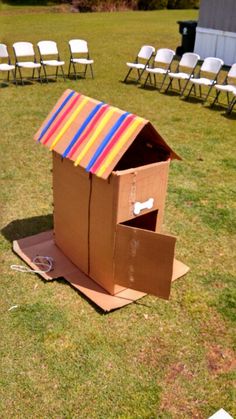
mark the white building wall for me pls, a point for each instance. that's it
(216, 43)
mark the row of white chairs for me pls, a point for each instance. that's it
(25, 58)
(152, 64)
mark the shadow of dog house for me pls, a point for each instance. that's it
(110, 172)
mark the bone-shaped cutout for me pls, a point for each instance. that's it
(139, 206)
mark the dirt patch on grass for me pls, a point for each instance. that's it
(220, 360)
(174, 399)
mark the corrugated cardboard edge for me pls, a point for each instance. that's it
(29, 247)
(43, 244)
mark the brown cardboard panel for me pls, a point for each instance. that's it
(102, 232)
(144, 260)
(179, 269)
(71, 193)
(140, 184)
(43, 245)
(100, 296)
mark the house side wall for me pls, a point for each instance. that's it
(102, 226)
(71, 192)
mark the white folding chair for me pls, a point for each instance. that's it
(6, 65)
(161, 66)
(228, 86)
(141, 61)
(79, 55)
(23, 50)
(49, 48)
(211, 67)
(184, 71)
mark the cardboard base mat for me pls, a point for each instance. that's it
(43, 244)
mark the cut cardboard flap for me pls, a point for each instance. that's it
(43, 244)
(93, 134)
(144, 260)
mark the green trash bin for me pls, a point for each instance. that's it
(187, 29)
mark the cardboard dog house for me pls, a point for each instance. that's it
(110, 172)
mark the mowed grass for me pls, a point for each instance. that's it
(62, 357)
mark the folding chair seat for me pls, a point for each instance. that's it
(141, 61)
(6, 66)
(79, 55)
(228, 86)
(24, 50)
(211, 67)
(49, 48)
(161, 66)
(184, 71)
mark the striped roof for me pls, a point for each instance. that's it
(91, 133)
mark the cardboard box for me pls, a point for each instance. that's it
(110, 174)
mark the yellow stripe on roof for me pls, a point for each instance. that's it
(95, 135)
(115, 150)
(69, 122)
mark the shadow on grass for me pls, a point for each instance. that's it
(149, 87)
(18, 229)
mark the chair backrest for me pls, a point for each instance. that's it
(47, 47)
(232, 71)
(78, 46)
(189, 59)
(164, 55)
(212, 65)
(23, 49)
(146, 52)
(3, 51)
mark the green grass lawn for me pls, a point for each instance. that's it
(61, 357)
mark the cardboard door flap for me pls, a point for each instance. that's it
(144, 260)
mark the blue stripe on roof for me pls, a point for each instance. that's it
(82, 128)
(106, 140)
(53, 117)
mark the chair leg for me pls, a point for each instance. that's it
(179, 85)
(190, 90)
(33, 74)
(163, 81)
(14, 79)
(209, 91)
(141, 73)
(74, 68)
(63, 73)
(45, 73)
(184, 87)
(169, 84)
(145, 82)
(69, 69)
(127, 75)
(56, 72)
(216, 98)
(230, 107)
(20, 76)
(39, 72)
(91, 70)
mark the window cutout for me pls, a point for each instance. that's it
(145, 222)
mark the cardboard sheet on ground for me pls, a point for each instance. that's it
(43, 244)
